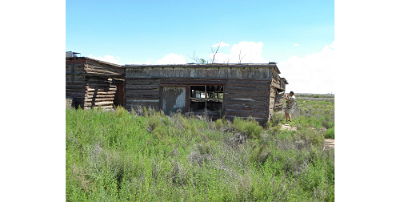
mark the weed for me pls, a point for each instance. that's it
(330, 133)
(249, 127)
(147, 156)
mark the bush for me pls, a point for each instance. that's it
(330, 133)
(249, 127)
(276, 119)
(121, 112)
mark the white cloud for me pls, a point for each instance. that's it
(107, 58)
(172, 59)
(250, 52)
(310, 74)
(296, 44)
(333, 44)
(220, 44)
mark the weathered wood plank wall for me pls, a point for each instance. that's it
(90, 82)
(75, 83)
(248, 90)
(244, 98)
(141, 92)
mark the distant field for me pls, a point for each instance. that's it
(315, 99)
(310, 95)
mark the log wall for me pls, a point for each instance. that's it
(248, 90)
(244, 98)
(100, 91)
(75, 84)
(91, 83)
(141, 92)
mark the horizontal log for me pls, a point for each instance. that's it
(75, 86)
(253, 97)
(145, 97)
(247, 114)
(100, 96)
(102, 90)
(207, 99)
(75, 91)
(244, 101)
(98, 99)
(103, 107)
(247, 111)
(245, 108)
(75, 82)
(76, 72)
(142, 87)
(104, 75)
(142, 82)
(101, 93)
(130, 105)
(99, 103)
(94, 85)
(129, 92)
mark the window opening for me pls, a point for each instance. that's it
(206, 99)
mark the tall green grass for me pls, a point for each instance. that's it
(147, 156)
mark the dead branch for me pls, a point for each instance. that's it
(195, 58)
(215, 53)
(241, 58)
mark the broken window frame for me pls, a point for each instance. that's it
(206, 98)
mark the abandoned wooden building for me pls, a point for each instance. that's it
(230, 90)
(93, 83)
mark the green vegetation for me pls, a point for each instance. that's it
(144, 155)
(319, 115)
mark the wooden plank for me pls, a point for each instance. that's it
(254, 97)
(134, 106)
(142, 87)
(142, 82)
(96, 99)
(102, 90)
(95, 85)
(104, 107)
(99, 103)
(247, 114)
(129, 105)
(129, 92)
(249, 111)
(75, 86)
(244, 102)
(245, 108)
(100, 96)
(101, 93)
(76, 72)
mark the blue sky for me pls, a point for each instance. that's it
(298, 35)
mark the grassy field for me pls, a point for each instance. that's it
(147, 156)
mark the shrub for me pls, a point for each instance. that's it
(250, 127)
(330, 133)
(259, 155)
(121, 112)
(276, 119)
(219, 124)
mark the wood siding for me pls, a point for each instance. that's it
(142, 92)
(248, 90)
(91, 83)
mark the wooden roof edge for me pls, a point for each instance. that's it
(270, 64)
(284, 80)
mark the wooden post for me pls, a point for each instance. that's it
(205, 96)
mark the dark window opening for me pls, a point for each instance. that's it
(206, 99)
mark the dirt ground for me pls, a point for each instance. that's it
(329, 143)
